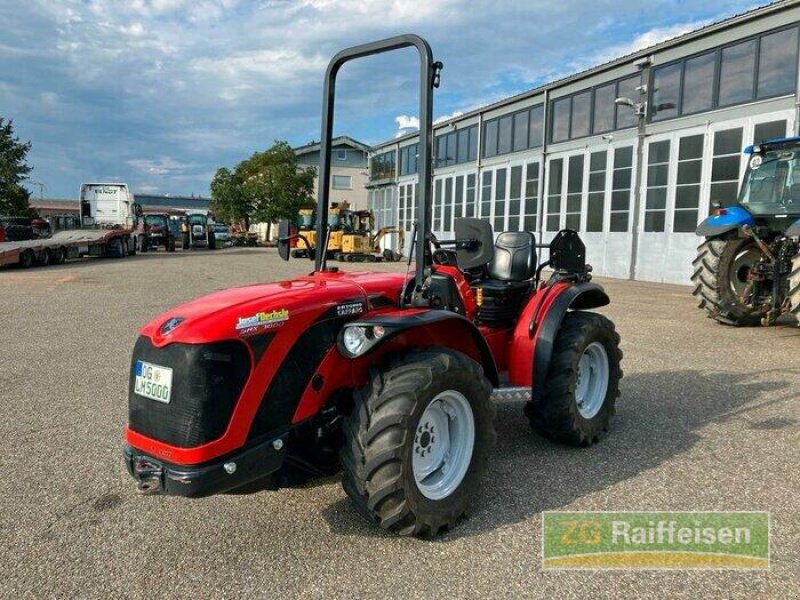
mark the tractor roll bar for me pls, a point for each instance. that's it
(428, 79)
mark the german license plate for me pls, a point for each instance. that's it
(153, 381)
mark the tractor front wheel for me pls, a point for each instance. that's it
(794, 288)
(417, 441)
(721, 272)
(582, 384)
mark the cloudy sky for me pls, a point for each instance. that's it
(159, 93)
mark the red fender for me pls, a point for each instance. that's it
(536, 330)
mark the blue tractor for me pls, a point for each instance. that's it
(747, 271)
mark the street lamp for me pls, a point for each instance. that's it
(640, 110)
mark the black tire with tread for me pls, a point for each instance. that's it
(711, 279)
(794, 288)
(26, 259)
(379, 437)
(556, 415)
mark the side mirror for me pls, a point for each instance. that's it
(137, 209)
(474, 243)
(283, 239)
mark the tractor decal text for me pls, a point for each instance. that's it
(352, 308)
(261, 320)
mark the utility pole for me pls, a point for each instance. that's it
(640, 109)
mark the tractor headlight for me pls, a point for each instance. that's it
(354, 340)
(358, 339)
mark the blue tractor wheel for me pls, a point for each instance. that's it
(721, 272)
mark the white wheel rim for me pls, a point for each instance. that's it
(443, 443)
(591, 384)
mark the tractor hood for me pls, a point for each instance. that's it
(251, 310)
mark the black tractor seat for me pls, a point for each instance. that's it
(510, 277)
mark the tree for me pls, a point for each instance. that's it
(228, 201)
(14, 199)
(266, 187)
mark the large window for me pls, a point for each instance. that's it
(604, 108)
(760, 67)
(529, 222)
(458, 204)
(382, 166)
(515, 198)
(626, 88)
(447, 225)
(559, 130)
(657, 180)
(597, 191)
(437, 205)
(666, 91)
(698, 83)
(513, 133)
(554, 194)
(594, 110)
(687, 188)
(500, 200)
(490, 138)
(725, 166)
(769, 131)
(574, 192)
(621, 189)
(777, 63)
(737, 68)
(469, 205)
(457, 147)
(486, 194)
(408, 159)
(581, 115)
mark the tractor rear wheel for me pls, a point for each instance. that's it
(417, 441)
(582, 382)
(721, 272)
(794, 288)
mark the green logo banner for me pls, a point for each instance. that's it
(655, 540)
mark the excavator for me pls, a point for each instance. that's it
(359, 244)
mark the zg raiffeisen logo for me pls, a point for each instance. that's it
(655, 540)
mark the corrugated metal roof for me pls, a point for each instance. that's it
(706, 30)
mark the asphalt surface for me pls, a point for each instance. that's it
(708, 420)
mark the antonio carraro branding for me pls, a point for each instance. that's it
(351, 308)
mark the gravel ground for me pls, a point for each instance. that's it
(708, 420)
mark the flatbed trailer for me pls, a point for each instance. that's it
(64, 245)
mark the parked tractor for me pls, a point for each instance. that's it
(387, 377)
(159, 233)
(197, 231)
(747, 271)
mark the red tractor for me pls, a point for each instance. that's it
(387, 377)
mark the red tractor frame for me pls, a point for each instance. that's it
(387, 377)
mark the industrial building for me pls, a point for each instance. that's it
(631, 153)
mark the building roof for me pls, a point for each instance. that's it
(342, 140)
(172, 201)
(701, 32)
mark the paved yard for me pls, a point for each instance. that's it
(708, 420)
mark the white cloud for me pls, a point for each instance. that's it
(172, 89)
(161, 166)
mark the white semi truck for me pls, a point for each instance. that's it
(111, 225)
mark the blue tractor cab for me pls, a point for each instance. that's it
(747, 271)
